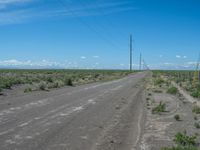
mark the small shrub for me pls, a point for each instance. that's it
(182, 139)
(197, 125)
(172, 90)
(158, 91)
(1, 91)
(158, 81)
(180, 148)
(49, 79)
(27, 90)
(184, 142)
(160, 108)
(177, 117)
(195, 94)
(196, 109)
(68, 82)
(42, 87)
(195, 118)
(55, 85)
(8, 85)
(147, 98)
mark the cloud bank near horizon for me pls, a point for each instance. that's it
(47, 64)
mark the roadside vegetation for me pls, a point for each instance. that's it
(159, 108)
(184, 79)
(196, 109)
(172, 90)
(174, 112)
(48, 79)
(183, 142)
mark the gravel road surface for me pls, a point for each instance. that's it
(98, 116)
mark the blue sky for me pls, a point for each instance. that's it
(95, 33)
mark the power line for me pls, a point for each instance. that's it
(63, 3)
(104, 28)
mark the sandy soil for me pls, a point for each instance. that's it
(160, 129)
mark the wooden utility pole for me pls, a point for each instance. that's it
(140, 68)
(131, 52)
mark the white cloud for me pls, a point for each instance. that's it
(31, 13)
(83, 57)
(95, 56)
(191, 63)
(167, 63)
(179, 56)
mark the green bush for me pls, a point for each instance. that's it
(27, 90)
(195, 94)
(180, 148)
(196, 109)
(182, 139)
(42, 87)
(158, 81)
(184, 142)
(172, 90)
(49, 79)
(68, 82)
(8, 85)
(1, 91)
(197, 125)
(160, 108)
(177, 117)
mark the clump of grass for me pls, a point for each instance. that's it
(196, 109)
(158, 91)
(183, 142)
(179, 148)
(195, 94)
(8, 85)
(158, 81)
(68, 82)
(49, 79)
(147, 98)
(172, 90)
(42, 86)
(177, 117)
(28, 89)
(197, 125)
(1, 91)
(159, 109)
(182, 139)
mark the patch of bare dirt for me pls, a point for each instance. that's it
(161, 128)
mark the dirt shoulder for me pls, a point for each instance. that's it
(161, 128)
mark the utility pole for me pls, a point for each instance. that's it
(131, 52)
(140, 62)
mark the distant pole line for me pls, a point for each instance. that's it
(140, 65)
(145, 66)
(131, 53)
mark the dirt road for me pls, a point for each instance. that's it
(102, 116)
